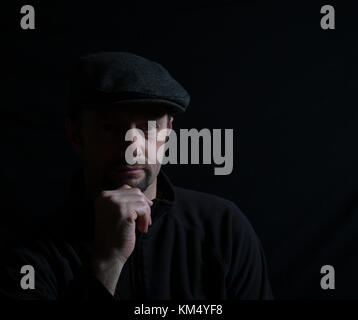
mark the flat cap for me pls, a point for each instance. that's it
(123, 78)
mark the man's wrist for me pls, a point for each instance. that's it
(107, 271)
(100, 264)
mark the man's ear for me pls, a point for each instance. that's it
(170, 124)
(74, 135)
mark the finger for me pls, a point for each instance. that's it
(132, 217)
(143, 220)
(136, 193)
(125, 187)
(142, 224)
(133, 197)
(150, 202)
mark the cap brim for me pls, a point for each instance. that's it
(152, 103)
(172, 107)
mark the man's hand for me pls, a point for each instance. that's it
(117, 212)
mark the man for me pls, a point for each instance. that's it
(128, 232)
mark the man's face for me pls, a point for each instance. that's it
(103, 146)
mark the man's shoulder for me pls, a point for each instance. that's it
(216, 219)
(193, 198)
(205, 207)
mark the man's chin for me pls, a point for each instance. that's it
(133, 180)
(134, 183)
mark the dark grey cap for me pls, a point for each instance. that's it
(108, 78)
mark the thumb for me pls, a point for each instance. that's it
(125, 187)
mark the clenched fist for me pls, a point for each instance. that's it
(117, 214)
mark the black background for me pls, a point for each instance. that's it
(286, 87)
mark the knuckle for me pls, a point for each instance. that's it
(136, 191)
(147, 206)
(132, 216)
(142, 201)
(121, 205)
(103, 194)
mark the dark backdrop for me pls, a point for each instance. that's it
(286, 87)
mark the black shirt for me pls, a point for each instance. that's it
(199, 246)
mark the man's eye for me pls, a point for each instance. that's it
(143, 127)
(148, 127)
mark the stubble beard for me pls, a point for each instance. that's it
(109, 183)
